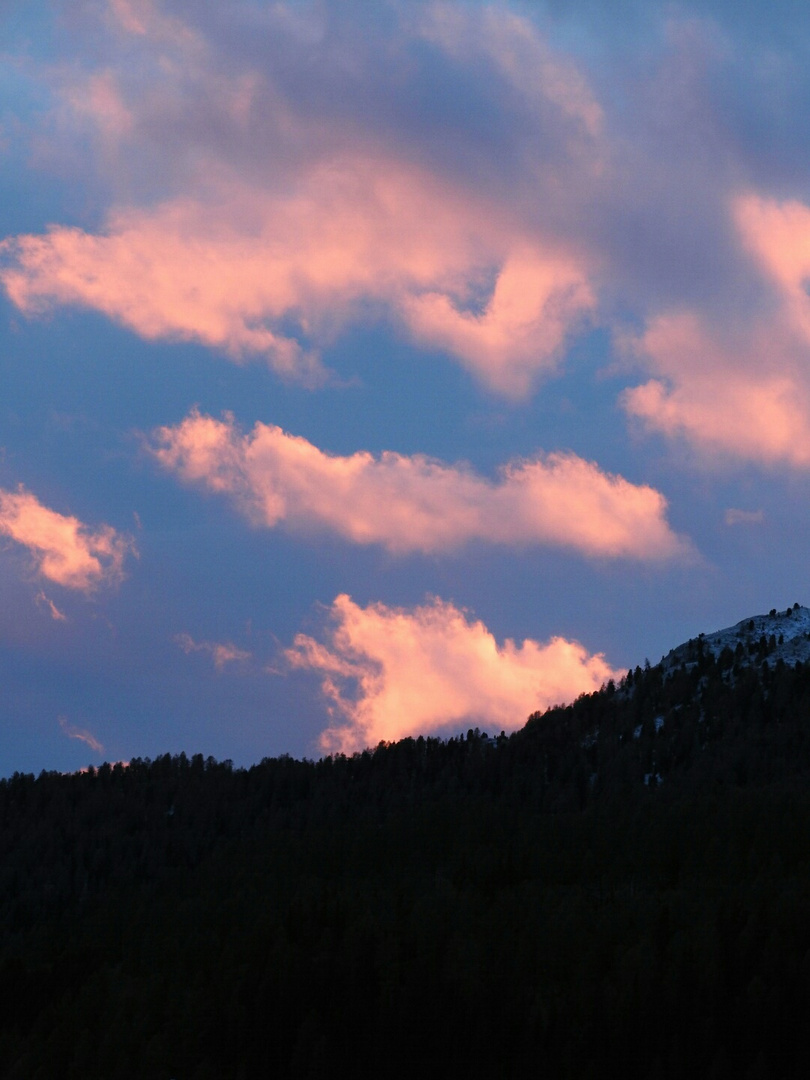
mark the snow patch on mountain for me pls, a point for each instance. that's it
(779, 635)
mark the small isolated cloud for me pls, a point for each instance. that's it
(64, 550)
(82, 734)
(409, 504)
(222, 653)
(45, 602)
(744, 517)
(388, 673)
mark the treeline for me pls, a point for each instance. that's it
(621, 887)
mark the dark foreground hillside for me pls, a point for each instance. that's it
(621, 888)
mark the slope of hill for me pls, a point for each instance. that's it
(786, 635)
(621, 887)
(730, 707)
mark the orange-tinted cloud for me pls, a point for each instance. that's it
(392, 672)
(82, 734)
(41, 600)
(64, 550)
(222, 653)
(233, 269)
(416, 503)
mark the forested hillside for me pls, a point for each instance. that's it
(620, 888)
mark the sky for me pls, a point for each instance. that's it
(376, 370)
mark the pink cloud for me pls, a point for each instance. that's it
(82, 734)
(222, 653)
(147, 19)
(416, 503)
(740, 393)
(64, 550)
(233, 268)
(133, 16)
(739, 385)
(45, 602)
(536, 303)
(778, 235)
(392, 672)
(98, 99)
(277, 227)
(518, 53)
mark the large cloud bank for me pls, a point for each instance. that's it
(274, 175)
(258, 258)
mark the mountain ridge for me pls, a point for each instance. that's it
(789, 629)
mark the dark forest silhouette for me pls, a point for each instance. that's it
(621, 888)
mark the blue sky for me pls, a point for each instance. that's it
(380, 369)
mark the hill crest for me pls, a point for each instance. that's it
(786, 637)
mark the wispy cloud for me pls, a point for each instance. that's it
(222, 653)
(392, 672)
(409, 504)
(45, 602)
(63, 549)
(734, 516)
(82, 734)
(511, 45)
